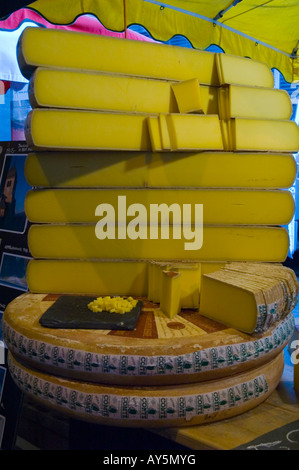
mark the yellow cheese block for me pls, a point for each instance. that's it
(192, 132)
(261, 135)
(91, 278)
(109, 92)
(83, 51)
(269, 293)
(220, 206)
(71, 129)
(114, 278)
(170, 301)
(133, 169)
(188, 96)
(254, 103)
(216, 243)
(96, 91)
(243, 71)
(241, 300)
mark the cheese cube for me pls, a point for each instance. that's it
(188, 96)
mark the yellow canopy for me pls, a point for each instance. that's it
(265, 30)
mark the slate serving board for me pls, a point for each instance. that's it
(73, 312)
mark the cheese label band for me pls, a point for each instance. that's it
(128, 407)
(216, 243)
(132, 408)
(137, 169)
(219, 206)
(68, 50)
(206, 359)
(77, 129)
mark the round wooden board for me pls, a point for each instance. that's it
(164, 406)
(188, 348)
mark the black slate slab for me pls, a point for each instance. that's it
(72, 312)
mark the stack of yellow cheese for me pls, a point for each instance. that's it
(132, 141)
(128, 131)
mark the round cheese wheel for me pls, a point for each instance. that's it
(164, 406)
(188, 348)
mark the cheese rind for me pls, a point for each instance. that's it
(251, 243)
(220, 206)
(203, 169)
(271, 270)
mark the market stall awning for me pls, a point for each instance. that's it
(263, 30)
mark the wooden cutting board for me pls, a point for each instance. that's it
(188, 348)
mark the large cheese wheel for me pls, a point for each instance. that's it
(182, 405)
(187, 348)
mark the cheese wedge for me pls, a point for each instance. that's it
(254, 103)
(275, 271)
(170, 303)
(214, 243)
(272, 299)
(236, 301)
(201, 170)
(261, 135)
(76, 50)
(188, 282)
(92, 278)
(231, 206)
(243, 71)
(155, 272)
(188, 96)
